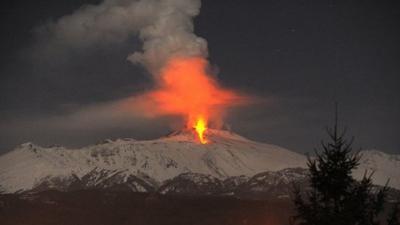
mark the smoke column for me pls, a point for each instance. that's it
(171, 35)
(165, 28)
(171, 52)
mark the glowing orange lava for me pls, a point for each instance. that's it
(200, 127)
(185, 89)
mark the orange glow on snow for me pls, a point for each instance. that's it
(185, 89)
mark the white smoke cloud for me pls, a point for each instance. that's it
(170, 35)
(164, 26)
(165, 29)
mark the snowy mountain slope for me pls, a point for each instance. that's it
(146, 165)
(161, 159)
(277, 183)
(98, 179)
(189, 183)
(385, 167)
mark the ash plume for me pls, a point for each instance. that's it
(169, 50)
(165, 28)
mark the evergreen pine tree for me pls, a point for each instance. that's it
(394, 216)
(334, 196)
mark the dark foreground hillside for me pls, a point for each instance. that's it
(91, 207)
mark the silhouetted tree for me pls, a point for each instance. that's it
(334, 196)
(394, 216)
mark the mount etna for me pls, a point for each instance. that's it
(228, 165)
(171, 180)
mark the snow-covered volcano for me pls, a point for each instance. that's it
(146, 165)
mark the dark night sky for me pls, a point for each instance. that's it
(300, 56)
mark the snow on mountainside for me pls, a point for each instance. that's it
(145, 165)
(384, 167)
(226, 155)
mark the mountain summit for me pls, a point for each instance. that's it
(150, 164)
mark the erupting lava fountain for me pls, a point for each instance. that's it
(186, 89)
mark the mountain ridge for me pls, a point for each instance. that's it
(147, 165)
